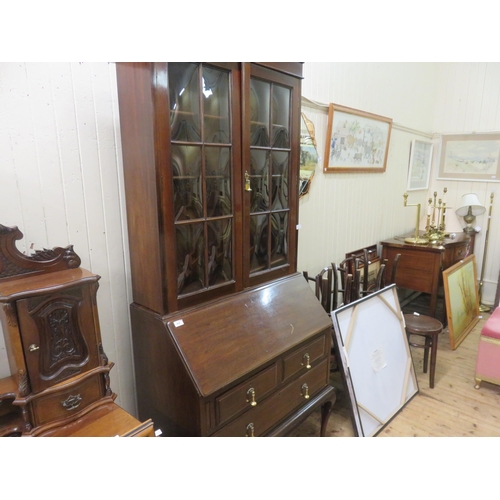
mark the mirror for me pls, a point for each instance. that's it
(308, 155)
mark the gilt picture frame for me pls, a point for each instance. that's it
(461, 298)
(470, 157)
(419, 169)
(357, 141)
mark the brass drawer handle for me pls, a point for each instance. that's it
(305, 391)
(72, 402)
(307, 360)
(33, 347)
(251, 396)
(250, 431)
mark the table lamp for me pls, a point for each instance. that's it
(469, 208)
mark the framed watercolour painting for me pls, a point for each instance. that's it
(420, 165)
(462, 300)
(356, 141)
(470, 157)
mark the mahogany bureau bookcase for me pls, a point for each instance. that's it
(228, 339)
(59, 374)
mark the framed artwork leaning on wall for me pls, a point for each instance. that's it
(462, 300)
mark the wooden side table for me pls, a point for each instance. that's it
(420, 266)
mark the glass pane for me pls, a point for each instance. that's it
(184, 94)
(259, 179)
(280, 180)
(216, 105)
(281, 117)
(279, 238)
(258, 242)
(218, 181)
(190, 257)
(220, 266)
(260, 96)
(186, 168)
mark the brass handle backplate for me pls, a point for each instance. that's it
(72, 402)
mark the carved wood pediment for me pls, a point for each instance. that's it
(14, 264)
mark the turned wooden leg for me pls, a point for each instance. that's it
(428, 343)
(434, 348)
(326, 410)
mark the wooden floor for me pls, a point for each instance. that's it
(454, 408)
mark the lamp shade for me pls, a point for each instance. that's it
(470, 200)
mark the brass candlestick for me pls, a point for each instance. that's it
(436, 219)
(416, 239)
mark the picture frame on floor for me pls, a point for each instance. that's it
(375, 358)
(461, 298)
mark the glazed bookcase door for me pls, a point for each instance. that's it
(205, 165)
(270, 147)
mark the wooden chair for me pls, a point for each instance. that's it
(327, 292)
(353, 278)
(381, 281)
(429, 329)
(326, 287)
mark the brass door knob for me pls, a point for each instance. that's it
(33, 347)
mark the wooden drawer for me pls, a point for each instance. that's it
(68, 401)
(242, 396)
(262, 417)
(303, 357)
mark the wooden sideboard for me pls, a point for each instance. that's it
(59, 382)
(420, 266)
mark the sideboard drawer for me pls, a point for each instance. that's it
(260, 418)
(65, 403)
(246, 395)
(303, 358)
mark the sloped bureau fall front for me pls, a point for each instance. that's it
(251, 365)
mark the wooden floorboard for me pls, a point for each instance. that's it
(454, 408)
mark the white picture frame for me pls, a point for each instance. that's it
(419, 168)
(376, 360)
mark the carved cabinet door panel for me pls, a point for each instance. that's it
(58, 335)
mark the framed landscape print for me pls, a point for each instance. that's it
(462, 300)
(420, 165)
(372, 346)
(470, 157)
(356, 141)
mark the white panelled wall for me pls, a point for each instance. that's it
(347, 211)
(62, 184)
(62, 181)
